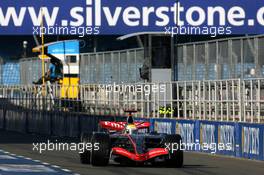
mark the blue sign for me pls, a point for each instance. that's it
(96, 17)
(166, 126)
(64, 47)
(226, 137)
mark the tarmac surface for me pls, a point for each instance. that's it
(18, 157)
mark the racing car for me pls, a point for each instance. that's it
(131, 143)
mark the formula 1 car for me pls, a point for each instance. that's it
(131, 143)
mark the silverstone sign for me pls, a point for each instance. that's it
(95, 17)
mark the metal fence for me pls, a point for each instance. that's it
(101, 67)
(221, 100)
(108, 67)
(229, 58)
(30, 70)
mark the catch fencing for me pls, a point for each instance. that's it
(101, 67)
(31, 70)
(219, 100)
(113, 66)
(228, 58)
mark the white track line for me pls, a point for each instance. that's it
(38, 161)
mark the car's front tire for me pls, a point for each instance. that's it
(86, 155)
(176, 156)
(101, 153)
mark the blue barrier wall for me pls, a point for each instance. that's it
(226, 138)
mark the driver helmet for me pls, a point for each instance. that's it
(131, 128)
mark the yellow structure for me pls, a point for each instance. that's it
(67, 53)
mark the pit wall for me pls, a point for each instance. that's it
(244, 140)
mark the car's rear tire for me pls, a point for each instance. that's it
(176, 156)
(100, 154)
(86, 155)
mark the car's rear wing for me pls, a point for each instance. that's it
(119, 126)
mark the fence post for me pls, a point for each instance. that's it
(26, 122)
(4, 118)
(241, 100)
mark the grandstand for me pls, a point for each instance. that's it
(10, 74)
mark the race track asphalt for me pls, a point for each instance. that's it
(194, 163)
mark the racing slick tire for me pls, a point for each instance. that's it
(176, 156)
(100, 155)
(86, 155)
